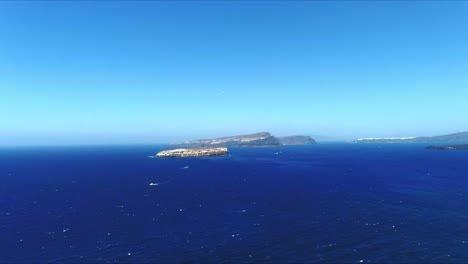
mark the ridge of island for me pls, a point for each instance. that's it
(193, 152)
(261, 139)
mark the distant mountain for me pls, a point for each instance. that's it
(262, 139)
(296, 140)
(461, 137)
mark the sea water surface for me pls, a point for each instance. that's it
(321, 203)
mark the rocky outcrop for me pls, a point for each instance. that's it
(193, 152)
(296, 140)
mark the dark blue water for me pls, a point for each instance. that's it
(328, 202)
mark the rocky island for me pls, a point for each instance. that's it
(262, 139)
(218, 146)
(193, 152)
(449, 147)
(251, 140)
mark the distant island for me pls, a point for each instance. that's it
(218, 146)
(193, 152)
(461, 137)
(262, 139)
(449, 147)
(296, 140)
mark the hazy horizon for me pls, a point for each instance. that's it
(162, 72)
(44, 140)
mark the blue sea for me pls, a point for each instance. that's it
(345, 203)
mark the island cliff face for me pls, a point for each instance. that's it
(296, 140)
(193, 152)
(461, 137)
(262, 139)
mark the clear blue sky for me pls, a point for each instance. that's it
(135, 72)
